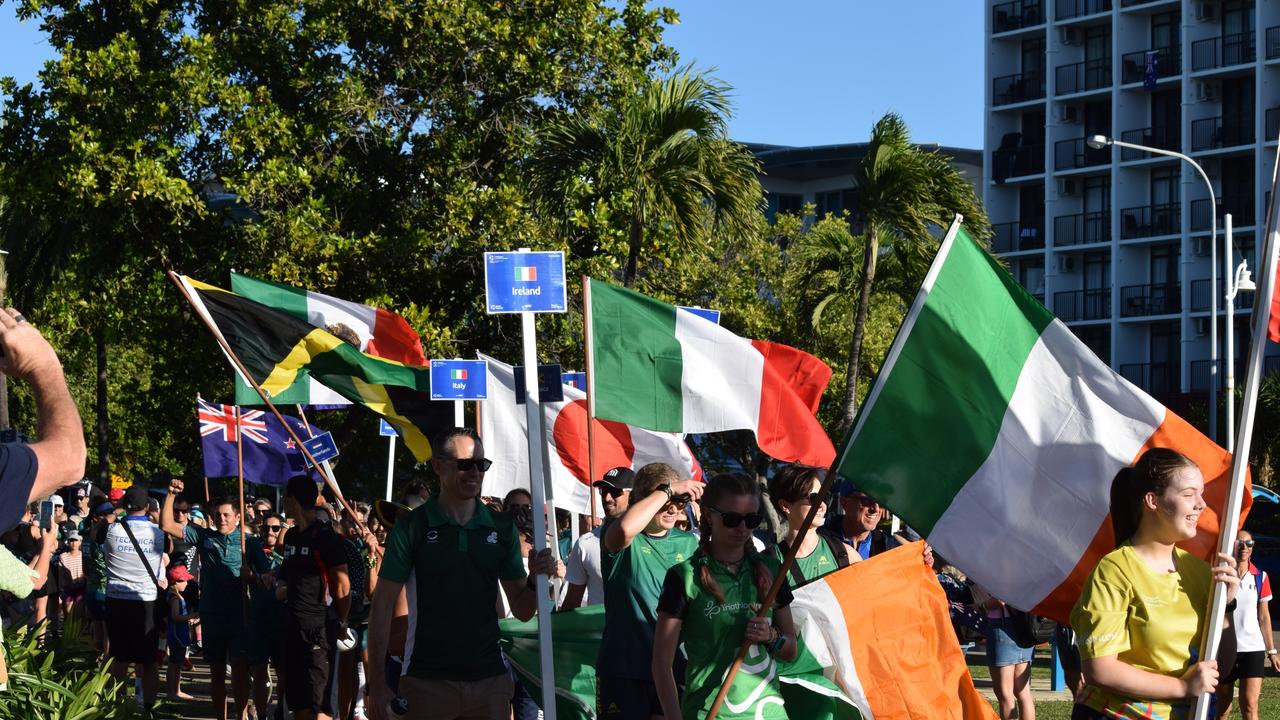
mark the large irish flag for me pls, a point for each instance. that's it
(995, 433)
(381, 333)
(659, 367)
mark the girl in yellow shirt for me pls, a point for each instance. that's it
(1140, 617)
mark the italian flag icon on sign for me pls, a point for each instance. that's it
(458, 374)
(526, 273)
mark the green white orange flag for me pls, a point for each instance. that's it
(995, 432)
(655, 366)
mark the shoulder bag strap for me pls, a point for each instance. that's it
(141, 556)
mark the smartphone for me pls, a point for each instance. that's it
(46, 515)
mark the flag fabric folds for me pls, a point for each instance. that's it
(995, 432)
(279, 350)
(380, 333)
(876, 641)
(503, 427)
(663, 368)
(270, 455)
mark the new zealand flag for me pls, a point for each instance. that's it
(271, 457)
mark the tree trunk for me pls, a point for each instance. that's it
(4, 380)
(850, 402)
(104, 461)
(633, 250)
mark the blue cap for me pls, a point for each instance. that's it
(105, 508)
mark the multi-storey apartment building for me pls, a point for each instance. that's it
(1116, 242)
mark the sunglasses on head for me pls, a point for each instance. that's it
(733, 519)
(468, 464)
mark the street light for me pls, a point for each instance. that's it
(1098, 142)
(1237, 282)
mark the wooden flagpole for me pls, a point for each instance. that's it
(591, 395)
(244, 558)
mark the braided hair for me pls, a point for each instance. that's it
(720, 487)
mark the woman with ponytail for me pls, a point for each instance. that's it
(709, 603)
(1141, 615)
(794, 490)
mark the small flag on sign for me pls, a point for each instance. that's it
(526, 273)
(458, 374)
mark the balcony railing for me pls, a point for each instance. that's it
(1081, 228)
(1200, 370)
(1211, 133)
(1081, 76)
(1021, 87)
(1168, 60)
(1272, 124)
(1150, 221)
(1016, 236)
(1016, 15)
(1072, 305)
(1223, 51)
(1152, 377)
(1163, 137)
(1200, 299)
(1069, 154)
(1273, 43)
(1024, 160)
(1067, 9)
(1142, 300)
(1240, 207)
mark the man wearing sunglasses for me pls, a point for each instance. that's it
(637, 549)
(862, 515)
(452, 553)
(584, 560)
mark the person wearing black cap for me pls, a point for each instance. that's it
(134, 550)
(583, 571)
(95, 574)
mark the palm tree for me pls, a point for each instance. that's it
(662, 153)
(904, 194)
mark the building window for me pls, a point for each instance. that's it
(828, 203)
(783, 203)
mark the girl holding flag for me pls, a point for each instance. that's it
(1140, 617)
(710, 600)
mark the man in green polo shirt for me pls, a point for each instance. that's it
(225, 637)
(452, 552)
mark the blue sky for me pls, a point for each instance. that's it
(804, 72)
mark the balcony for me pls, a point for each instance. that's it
(1200, 370)
(1272, 125)
(1200, 299)
(1213, 133)
(1073, 305)
(1223, 51)
(1068, 9)
(1016, 15)
(1010, 89)
(1152, 377)
(1017, 162)
(1081, 228)
(1083, 76)
(1071, 154)
(1168, 63)
(1144, 300)
(1240, 207)
(1164, 138)
(1017, 236)
(1273, 43)
(1150, 221)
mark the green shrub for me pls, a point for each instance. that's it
(64, 681)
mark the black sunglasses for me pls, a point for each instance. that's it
(467, 464)
(272, 528)
(614, 493)
(1246, 543)
(733, 519)
(864, 500)
(182, 510)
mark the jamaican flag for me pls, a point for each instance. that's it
(279, 349)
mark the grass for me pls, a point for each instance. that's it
(1268, 704)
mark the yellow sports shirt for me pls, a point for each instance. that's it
(1148, 619)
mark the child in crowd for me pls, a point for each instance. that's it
(179, 635)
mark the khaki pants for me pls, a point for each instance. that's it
(488, 699)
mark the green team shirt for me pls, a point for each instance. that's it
(632, 583)
(95, 568)
(454, 595)
(819, 562)
(712, 632)
(220, 584)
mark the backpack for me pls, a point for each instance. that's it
(836, 545)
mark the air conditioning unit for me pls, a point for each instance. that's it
(1066, 264)
(1068, 186)
(1069, 35)
(1207, 11)
(1200, 246)
(1208, 90)
(1202, 326)
(1068, 114)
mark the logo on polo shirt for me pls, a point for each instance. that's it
(492, 539)
(432, 536)
(305, 550)
(679, 557)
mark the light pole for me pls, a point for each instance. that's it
(1238, 280)
(1097, 142)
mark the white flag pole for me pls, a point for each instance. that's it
(391, 463)
(458, 419)
(1240, 459)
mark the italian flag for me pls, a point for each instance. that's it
(655, 366)
(458, 374)
(381, 333)
(995, 432)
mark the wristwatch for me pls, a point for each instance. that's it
(1273, 651)
(667, 489)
